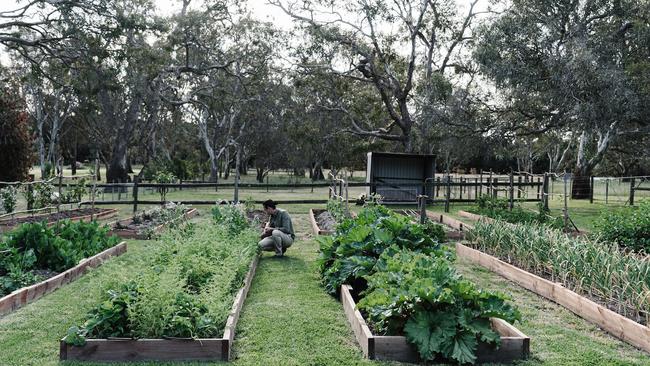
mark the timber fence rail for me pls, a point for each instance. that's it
(448, 191)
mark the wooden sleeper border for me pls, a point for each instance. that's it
(102, 215)
(26, 295)
(514, 344)
(127, 350)
(133, 234)
(314, 224)
(619, 326)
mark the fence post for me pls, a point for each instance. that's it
(461, 188)
(495, 188)
(92, 195)
(545, 192)
(631, 191)
(512, 192)
(519, 187)
(591, 190)
(135, 194)
(490, 188)
(438, 187)
(58, 202)
(566, 202)
(480, 185)
(607, 191)
(423, 208)
(448, 193)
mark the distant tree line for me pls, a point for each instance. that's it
(513, 85)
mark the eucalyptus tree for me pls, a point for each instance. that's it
(219, 74)
(390, 47)
(51, 102)
(575, 66)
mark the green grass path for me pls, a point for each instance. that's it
(288, 319)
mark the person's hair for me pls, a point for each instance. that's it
(269, 203)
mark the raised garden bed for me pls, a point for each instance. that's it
(514, 344)
(25, 295)
(459, 227)
(144, 230)
(614, 323)
(475, 217)
(322, 222)
(79, 214)
(127, 350)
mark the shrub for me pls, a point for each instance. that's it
(627, 226)
(8, 198)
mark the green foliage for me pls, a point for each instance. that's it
(336, 208)
(184, 290)
(435, 231)
(626, 226)
(498, 208)
(42, 194)
(351, 253)
(35, 246)
(8, 198)
(231, 216)
(585, 265)
(164, 177)
(424, 297)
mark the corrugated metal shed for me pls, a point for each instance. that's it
(399, 177)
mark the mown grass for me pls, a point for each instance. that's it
(288, 319)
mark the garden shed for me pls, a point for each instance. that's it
(400, 177)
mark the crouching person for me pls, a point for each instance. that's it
(278, 233)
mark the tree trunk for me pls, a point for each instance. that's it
(259, 175)
(117, 168)
(237, 166)
(226, 164)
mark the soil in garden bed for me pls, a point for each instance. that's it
(69, 214)
(325, 220)
(142, 223)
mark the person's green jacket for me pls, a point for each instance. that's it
(282, 221)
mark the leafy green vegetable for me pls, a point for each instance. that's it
(351, 253)
(424, 297)
(35, 246)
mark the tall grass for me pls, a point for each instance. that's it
(617, 279)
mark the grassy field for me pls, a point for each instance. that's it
(288, 319)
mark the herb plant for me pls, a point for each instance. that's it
(184, 290)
